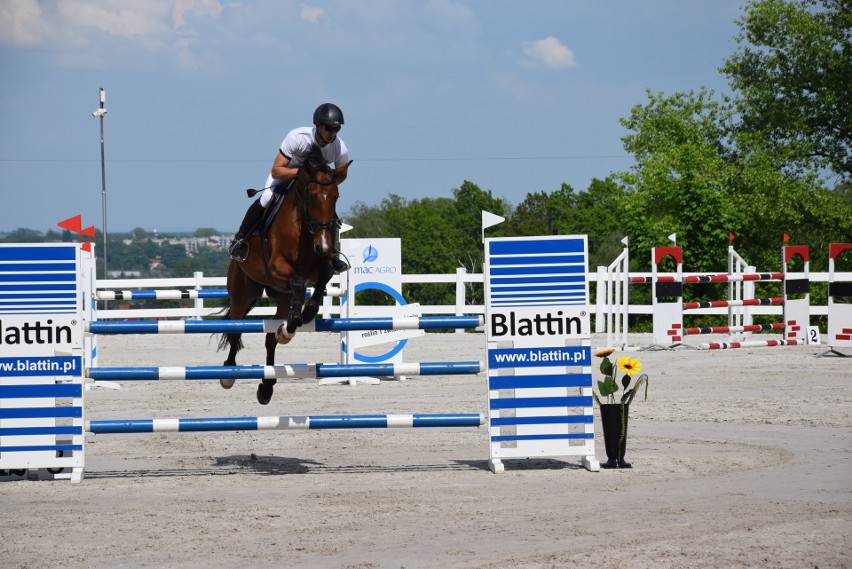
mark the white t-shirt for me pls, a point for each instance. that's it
(297, 145)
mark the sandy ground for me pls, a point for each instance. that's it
(741, 459)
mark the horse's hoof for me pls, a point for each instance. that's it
(264, 394)
(227, 383)
(283, 336)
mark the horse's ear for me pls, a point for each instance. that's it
(341, 172)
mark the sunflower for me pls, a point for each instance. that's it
(629, 365)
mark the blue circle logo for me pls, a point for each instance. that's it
(396, 296)
(370, 254)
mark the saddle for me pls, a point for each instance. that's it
(263, 227)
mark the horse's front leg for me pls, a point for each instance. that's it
(312, 306)
(294, 317)
(265, 388)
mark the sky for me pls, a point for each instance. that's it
(515, 97)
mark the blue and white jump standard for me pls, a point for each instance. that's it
(41, 361)
(539, 349)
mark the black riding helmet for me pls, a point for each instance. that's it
(329, 114)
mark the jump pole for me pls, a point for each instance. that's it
(181, 294)
(103, 327)
(285, 423)
(282, 371)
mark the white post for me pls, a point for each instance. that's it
(199, 302)
(101, 113)
(460, 294)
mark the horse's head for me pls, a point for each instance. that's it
(318, 185)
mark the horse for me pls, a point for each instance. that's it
(295, 253)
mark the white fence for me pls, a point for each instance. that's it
(461, 279)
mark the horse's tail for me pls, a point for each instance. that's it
(225, 313)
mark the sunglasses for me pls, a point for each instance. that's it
(329, 128)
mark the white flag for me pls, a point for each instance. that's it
(673, 238)
(489, 219)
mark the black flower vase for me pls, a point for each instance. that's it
(616, 446)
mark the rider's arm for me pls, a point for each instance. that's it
(281, 169)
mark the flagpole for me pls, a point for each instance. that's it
(101, 113)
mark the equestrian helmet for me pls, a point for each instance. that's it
(329, 114)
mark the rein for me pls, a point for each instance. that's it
(304, 201)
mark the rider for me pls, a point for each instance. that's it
(297, 145)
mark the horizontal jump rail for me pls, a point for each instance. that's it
(292, 422)
(271, 326)
(748, 344)
(734, 329)
(731, 303)
(181, 294)
(720, 278)
(283, 371)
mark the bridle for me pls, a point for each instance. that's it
(305, 198)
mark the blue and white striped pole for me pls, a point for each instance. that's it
(294, 422)
(267, 326)
(283, 371)
(181, 294)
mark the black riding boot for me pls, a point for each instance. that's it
(338, 264)
(239, 246)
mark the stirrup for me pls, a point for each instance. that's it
(339, 265)
(239, 250)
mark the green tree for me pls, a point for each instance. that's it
(138, 233)
(469, 203)
(793, 76)
(533, 216)
(172, 253)
(682, 181)
(600, 215)
(700, 176)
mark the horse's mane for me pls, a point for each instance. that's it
(316, 159)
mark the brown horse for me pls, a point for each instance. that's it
(295, 252)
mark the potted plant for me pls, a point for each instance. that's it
(614, 409)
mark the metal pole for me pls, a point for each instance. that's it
(101, 113)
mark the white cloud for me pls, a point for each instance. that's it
(311, 14)
(128, 19)
(22, 23)
(551, 53)
(196, 8)
(92, 33)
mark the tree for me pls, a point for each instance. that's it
(470, 201)
(698, 175)
(532, 216)
(682, 181)
(793, 75)
(138, 233)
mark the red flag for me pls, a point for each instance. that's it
(730, 237)
(785, 238)
(89, 231)
(74, 224)
(87, 246)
